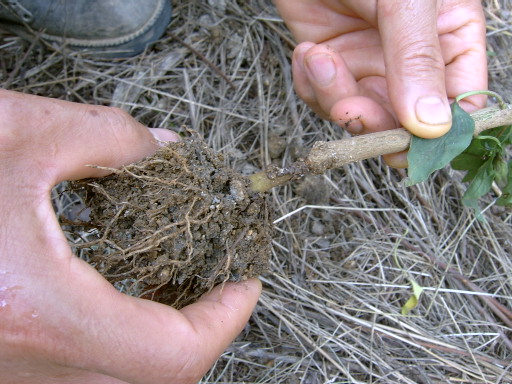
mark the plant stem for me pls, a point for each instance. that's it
(335, 154)
(498, 97)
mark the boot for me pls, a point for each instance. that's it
(111, 28)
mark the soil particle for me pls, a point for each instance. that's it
(314, 190)
(276, 146)
(176, 224)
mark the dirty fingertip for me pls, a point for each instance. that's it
(253, 284)
(164, 136)
(249, 287)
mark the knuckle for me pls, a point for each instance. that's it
(121, 123)
(118, 113)
(389, 8)
(14, 132)
(114, 117)
(420, 59)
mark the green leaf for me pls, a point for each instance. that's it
(482, 182)
(506, 139)
(505, 200)
(506, 196)
(503, 134)
(475, 149)
(428, 155)
(479, 151)
(501, 169)
(490, 143)
(414, 299)
(470, 160)
(480, 185)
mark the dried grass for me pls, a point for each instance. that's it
(349, 242)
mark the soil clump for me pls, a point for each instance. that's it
(175, 224)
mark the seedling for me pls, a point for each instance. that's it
(476, 143)
(177, 223)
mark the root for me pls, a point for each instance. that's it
(174, 225)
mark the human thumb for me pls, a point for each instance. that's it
(415, 69)
(63, 138)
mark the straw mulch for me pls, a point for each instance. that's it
(347, 243)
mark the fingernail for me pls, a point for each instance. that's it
(321, 67)
(299, 54)
(433, 111)
(163, 135)
(396, 160)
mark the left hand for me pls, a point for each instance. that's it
(60, 320)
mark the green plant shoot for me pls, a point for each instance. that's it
(485, 158)
(414, 299)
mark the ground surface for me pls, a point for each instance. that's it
(345, 244)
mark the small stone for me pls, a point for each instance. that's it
(317, 228)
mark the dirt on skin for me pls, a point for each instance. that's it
(174, 225)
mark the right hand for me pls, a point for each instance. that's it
(374, 65)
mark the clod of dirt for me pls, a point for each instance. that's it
(172, 226)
